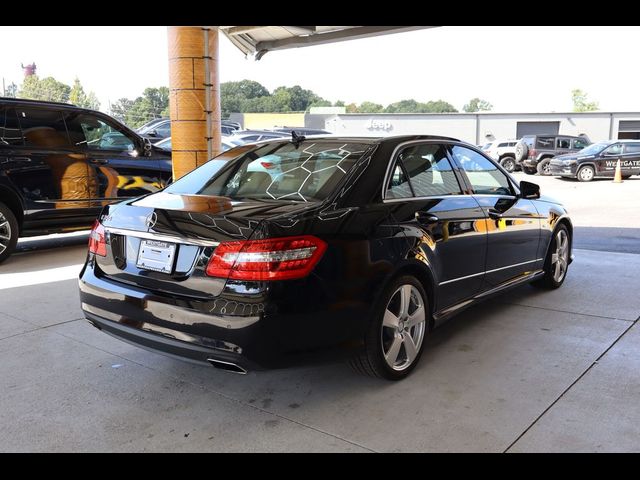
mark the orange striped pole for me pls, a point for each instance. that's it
(194, 96)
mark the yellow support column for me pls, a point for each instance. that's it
(194, 96)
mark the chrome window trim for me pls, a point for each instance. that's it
(489, 271)
(431, 197)
(161, 237)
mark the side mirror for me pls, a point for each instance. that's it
(529, 190)
(147, 147)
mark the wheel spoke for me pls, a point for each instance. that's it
(392, 355)
(557, 271)
(554, 258)
(416, 317)
(389, 320)
(409, 347)
(405, 299)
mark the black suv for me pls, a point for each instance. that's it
(599, 159)
(60, 164)
(534, 152)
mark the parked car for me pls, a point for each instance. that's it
(246, 136)
(149, 124)
(166, 145)
(359, 245)
(302, 131)
(599, 160)
(233, 125)
(59, 164)
(504, 152)
(534, 152)
(157, 130)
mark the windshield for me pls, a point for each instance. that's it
(593, 149)
(307, 172)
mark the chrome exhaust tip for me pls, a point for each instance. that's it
(227, 366)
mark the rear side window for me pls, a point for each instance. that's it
(563, 143)
(43, 128)
(10, 133)
(307, 172)
(546, 143)
(428, 170)
(632, 148)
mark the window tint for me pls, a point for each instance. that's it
(545, 142)
(632, 148)
(580, 143)
(503, 145)
(398, 184)
(10, 133)
(429, 170)
(42, 128)
(512, 144)
(615, 149)
(563, 143)
(164, 129)
(484, 176)
(89, 131)
(307, 172)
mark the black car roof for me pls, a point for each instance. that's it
(44, 103)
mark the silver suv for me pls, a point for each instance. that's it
(504, 152)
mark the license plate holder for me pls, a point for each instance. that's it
(156, 256)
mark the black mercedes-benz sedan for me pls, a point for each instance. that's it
(278, 252)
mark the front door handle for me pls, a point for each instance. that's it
(21, 159)
(495, 214)
(425, 218)
(98, 161)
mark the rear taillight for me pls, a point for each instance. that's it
(532, 153)
(272, 259)
(97, 241)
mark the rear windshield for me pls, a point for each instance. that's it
(308, 172)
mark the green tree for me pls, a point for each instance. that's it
(580, 102)
(243, 89)
(438, 106)
(339, 103)
(352, 108)
(48, 89)
(412, 106)
(477, 105)
(78, 97)
(370, 107)
(120, 108)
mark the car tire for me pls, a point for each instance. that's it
(559, 251)
(392, 348)
(8, 232)
(529, 170)
(508, 163)
(522, 151)
(586, 173)
(626, 177)
(544, 167)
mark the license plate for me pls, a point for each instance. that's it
(156, 256)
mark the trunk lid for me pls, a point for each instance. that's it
(190, 227)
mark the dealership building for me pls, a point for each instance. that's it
(476, 128)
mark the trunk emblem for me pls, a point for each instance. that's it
(151, 220)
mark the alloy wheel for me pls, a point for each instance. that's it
(403, 327)
(560, 258)
(586, 174)
(5, 233)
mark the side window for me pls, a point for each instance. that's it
(10, 133)
(580, 144)
(632, 148)
(42, 127)
(484, 176)
(429, 170)
(164, 130)
(91, 132)
(563, 143)
(398, 184)
(615, 149)
(546, 143)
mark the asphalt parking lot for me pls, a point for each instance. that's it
(528, 371)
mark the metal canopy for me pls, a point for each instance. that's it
(260, 40)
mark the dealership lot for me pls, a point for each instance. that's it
(527, 371)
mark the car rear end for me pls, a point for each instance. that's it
(233, 281)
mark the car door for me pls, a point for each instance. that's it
(51, 175)
(563, 145)
(608, 160)
(116, 159)
(630, 162)
(513, 223)
(445, 227)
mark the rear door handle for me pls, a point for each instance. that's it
(21, 159)
(495, 214)
(426, 218)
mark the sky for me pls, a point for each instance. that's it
(516, 69)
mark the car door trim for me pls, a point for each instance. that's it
(489, 271)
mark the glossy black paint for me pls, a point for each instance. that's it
(462, 247)
(603, 162)
(53, 185)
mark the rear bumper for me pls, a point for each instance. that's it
(266, 335)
